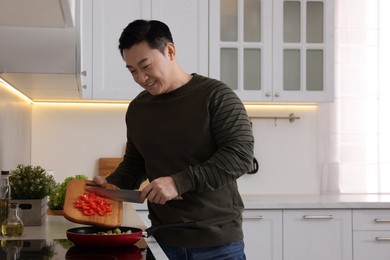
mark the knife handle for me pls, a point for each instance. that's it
(92, 183)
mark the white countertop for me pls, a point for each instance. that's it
(55, 228)
(309, 201)
(317, 201)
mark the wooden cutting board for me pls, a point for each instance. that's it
(74, 189)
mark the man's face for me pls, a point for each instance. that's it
(149, 67)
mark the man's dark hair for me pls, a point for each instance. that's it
(155, 33)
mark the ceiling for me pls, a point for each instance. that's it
(38, 48)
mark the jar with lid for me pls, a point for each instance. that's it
(13, 225)
(5, 195)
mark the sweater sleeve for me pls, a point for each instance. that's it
(233, 135)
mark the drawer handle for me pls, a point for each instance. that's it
(255, 217)
(382, 238)
(310, 217)
(385, 220)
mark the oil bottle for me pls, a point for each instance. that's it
(5, 195)
(13, 225)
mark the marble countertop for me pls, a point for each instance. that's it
(310, 201)
(55, 228)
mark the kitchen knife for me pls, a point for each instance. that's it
(117, 194)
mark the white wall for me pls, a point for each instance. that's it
(70, 138)
(288, 153)
(15, 129)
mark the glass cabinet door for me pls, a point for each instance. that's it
(241, 46)
(273, 50)
(303, 50)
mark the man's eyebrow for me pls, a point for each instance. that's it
(141, 61)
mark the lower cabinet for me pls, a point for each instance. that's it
(371, 234)
(263, 234)
(298, 234)
(307, 234)
(317, 234)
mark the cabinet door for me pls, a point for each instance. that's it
(371, 245)
(105, 73)
(263, 234)
(317, 234)
(371, 234)
(188, 21)
(111, 78)
(241, 46)
(84, 47)
(279, 50)
(303, 50)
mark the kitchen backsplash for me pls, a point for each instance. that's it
(68, 139)
(15, 129)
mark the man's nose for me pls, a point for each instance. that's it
(142, 77)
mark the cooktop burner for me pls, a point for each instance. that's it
(59, 249)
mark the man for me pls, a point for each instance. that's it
(191, 137)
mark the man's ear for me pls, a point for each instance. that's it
(171, 50)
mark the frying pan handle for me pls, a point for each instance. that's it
(150, 231)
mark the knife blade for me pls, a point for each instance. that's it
(117, 194)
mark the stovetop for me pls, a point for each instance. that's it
(59, 249)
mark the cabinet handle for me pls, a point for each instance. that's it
(255, 217)
(267, 94)
(277, 95)
(318, 217)
(84, 73)
(382, 238)
(379, 220)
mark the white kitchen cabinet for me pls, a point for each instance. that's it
(263, 234)
(273, 50)
(103, 72)
(371, 234)
(317, 234)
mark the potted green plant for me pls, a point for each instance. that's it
(30, 187)
(57, 196)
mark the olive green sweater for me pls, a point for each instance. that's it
(201, 136)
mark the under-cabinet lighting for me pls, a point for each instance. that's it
(309, 106)
(82, 104)
(14, 91)
(250, 106)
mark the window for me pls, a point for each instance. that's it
(357, 139)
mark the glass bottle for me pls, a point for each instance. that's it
(5, 195)
(12, 248)
(13, 225)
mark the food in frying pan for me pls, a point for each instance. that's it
(116, 231)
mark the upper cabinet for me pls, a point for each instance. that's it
(103, 71)
(266, 50)
(273, 50)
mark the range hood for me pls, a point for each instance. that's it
(38, 48)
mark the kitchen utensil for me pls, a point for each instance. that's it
(74, 189)
(86, 236)
(117, 194)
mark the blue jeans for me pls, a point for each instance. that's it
(230, 251)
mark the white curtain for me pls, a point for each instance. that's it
(357, 135)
